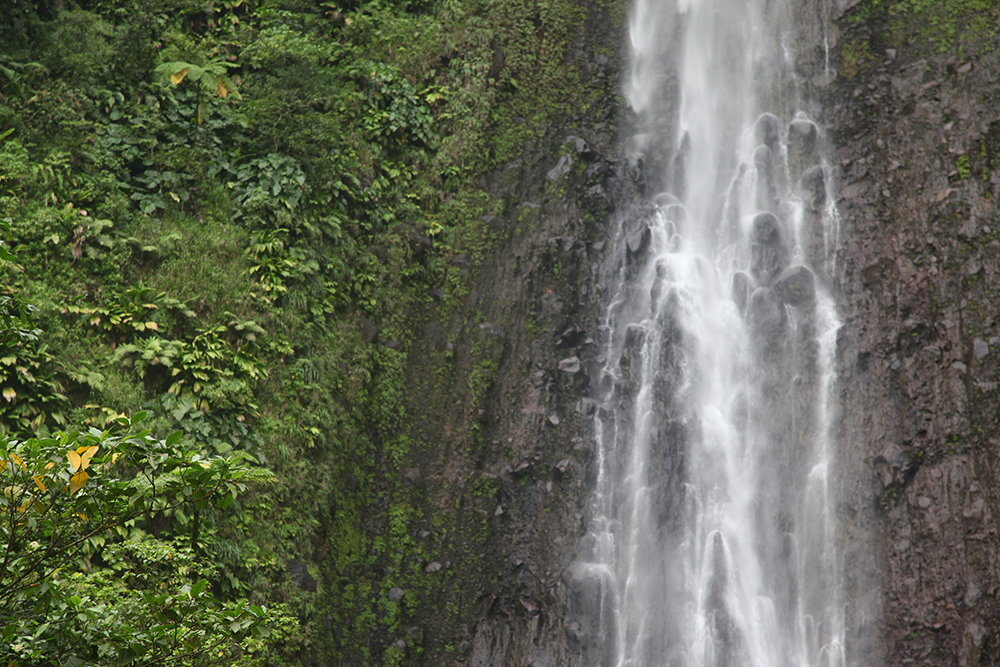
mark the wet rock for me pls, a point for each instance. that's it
(768, 319)
(573, 336)
(665, 199)
(491, 329)
(635, 336)
(579, 144)
(762, 159)
(767, 186)
(527, 607)
(767, 130)
(432, 567)
(419, 243)
(562, 468)
(803, 148)
(570, 365)
(587, 601)
(812, 238)
(396, 594)
(768, 252)
(675, 243)
(299, 572)
(796, 286)
(812, 189)
(656, 292)
(676, 214)
(629, 362)
(741, 291)
(369, 332)
(639, 240)
(552, 305)
(561, 169)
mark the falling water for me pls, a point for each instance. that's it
(712, 540)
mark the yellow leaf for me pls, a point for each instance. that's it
(82, 515)
(153, 326)
(74, 460)
(39, 483)
(18, 461)
(178, 76)
(50, 465)
(114, 457)
(87, 453)
(77, 481)
(221, 90)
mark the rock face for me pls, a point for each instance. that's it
(915, 136)
(500, 392)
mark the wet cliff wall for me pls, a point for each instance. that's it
(907, 92)
(911, 115)
(497, 484)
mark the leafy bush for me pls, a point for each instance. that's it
(61, 492)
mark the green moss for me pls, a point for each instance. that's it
(965, 28)
(853, 56)
(963, 166)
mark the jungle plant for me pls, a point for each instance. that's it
(58, 494)
(210, 78)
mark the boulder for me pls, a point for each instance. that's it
(812, 189)
(768, 252)
(638, 241)
(766, 130)
(803, 147)
(796, 286)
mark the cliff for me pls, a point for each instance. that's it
(912, 121)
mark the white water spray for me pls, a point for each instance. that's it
(712, 539)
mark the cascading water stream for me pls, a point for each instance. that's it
(712, 540)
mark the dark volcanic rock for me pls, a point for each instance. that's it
(796, 286)
(803, 147)
(768, 320)
(769, 254)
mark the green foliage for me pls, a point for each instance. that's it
(268, 190)
(210, 77)
(965, 28)
(61, 493)
(214, 369)
(32, 387)
(395, 110)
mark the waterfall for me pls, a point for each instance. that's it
(712, 530)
